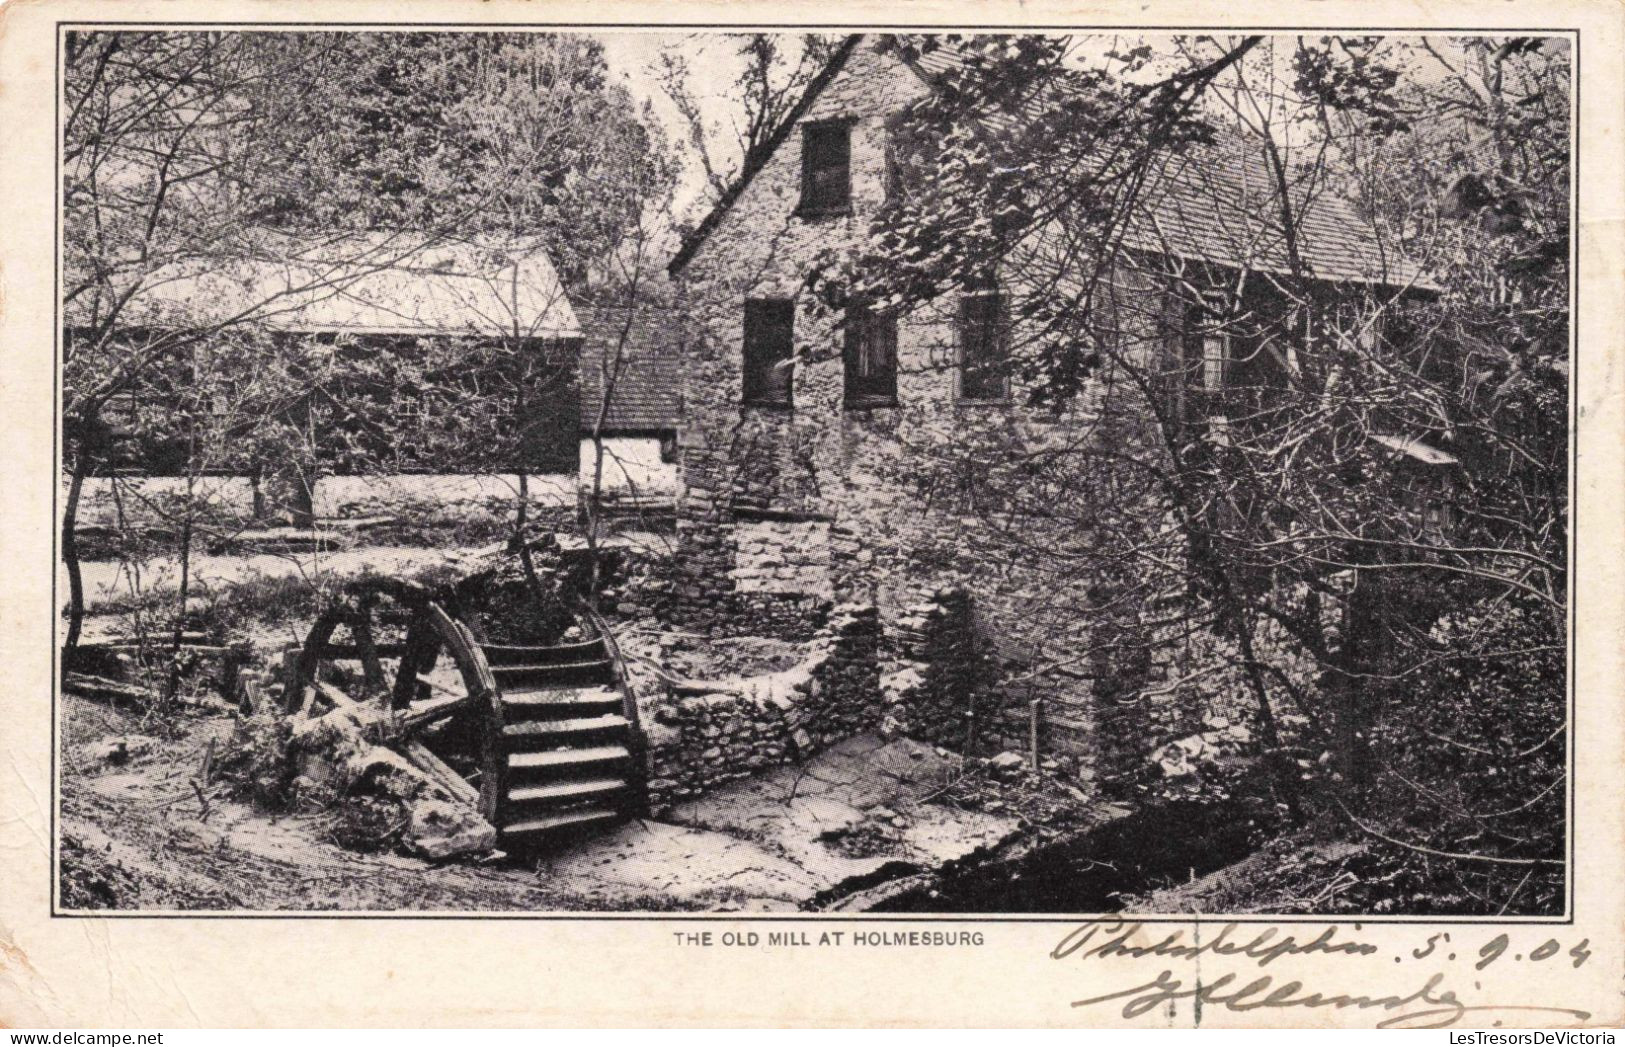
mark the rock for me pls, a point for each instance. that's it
(440, 830)
(386, 772)
(1006, 762)
(320, 772)
(117, 750)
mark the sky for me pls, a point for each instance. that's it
(632, 56)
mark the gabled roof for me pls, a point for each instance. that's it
(1214, 204)
(647, 345)
(393, 282)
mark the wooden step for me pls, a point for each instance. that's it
(564, 791)
(577, 725)
(545, 674)
(564, 696)
(562, 820)
(569, 757)
(500, 654)
(544, 704)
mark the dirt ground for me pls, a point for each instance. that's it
(140, 830)
(137, 835)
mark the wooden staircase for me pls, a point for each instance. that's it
(569, 753)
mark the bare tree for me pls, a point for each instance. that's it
(1321, 462)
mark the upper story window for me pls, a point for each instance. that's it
(870, 356)
(1208, 355)
(904, 158)
(984, 345)
(1359, 326)
(769, 350)
(826, 168)
(1208, 367)
(1211, 357)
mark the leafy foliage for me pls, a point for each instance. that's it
(1368, 468)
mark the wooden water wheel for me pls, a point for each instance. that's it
(557, 746)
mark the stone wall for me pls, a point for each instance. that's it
(633, 465)
(782, 556)
(700, 740)
(897, 485)
(156, 501)
(939, 689)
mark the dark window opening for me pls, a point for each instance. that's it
(870, 357)
(668, 448)
(769, 350)
(983, 346)
(905, 158)
(826, 168)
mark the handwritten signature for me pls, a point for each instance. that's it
(1431, 1006)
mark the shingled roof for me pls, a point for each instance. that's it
(379, 281)
(1220, 203)
(1215, 204)
(646, 343)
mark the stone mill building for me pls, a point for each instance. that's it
(820, 461)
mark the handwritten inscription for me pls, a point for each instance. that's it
(1428, 1002)
(1265, 947)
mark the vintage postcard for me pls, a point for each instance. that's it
(1057, 515)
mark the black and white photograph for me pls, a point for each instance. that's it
(547, 471)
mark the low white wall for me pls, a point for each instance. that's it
(631, 465)
(142, 496)
(145, 498)
(336, 494)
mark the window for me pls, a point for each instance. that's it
(769, 350)
(826, 168)
(1215, 361)
(871, 357)
(668, 448)
(1438, 518)
(904, 158)
(1358, 326)
(1207, 348)
(1207, 367)
(412, 409)
(983, 346)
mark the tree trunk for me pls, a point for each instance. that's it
(303, 509)
(183, 593)
(520, 521)
(70, 556)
